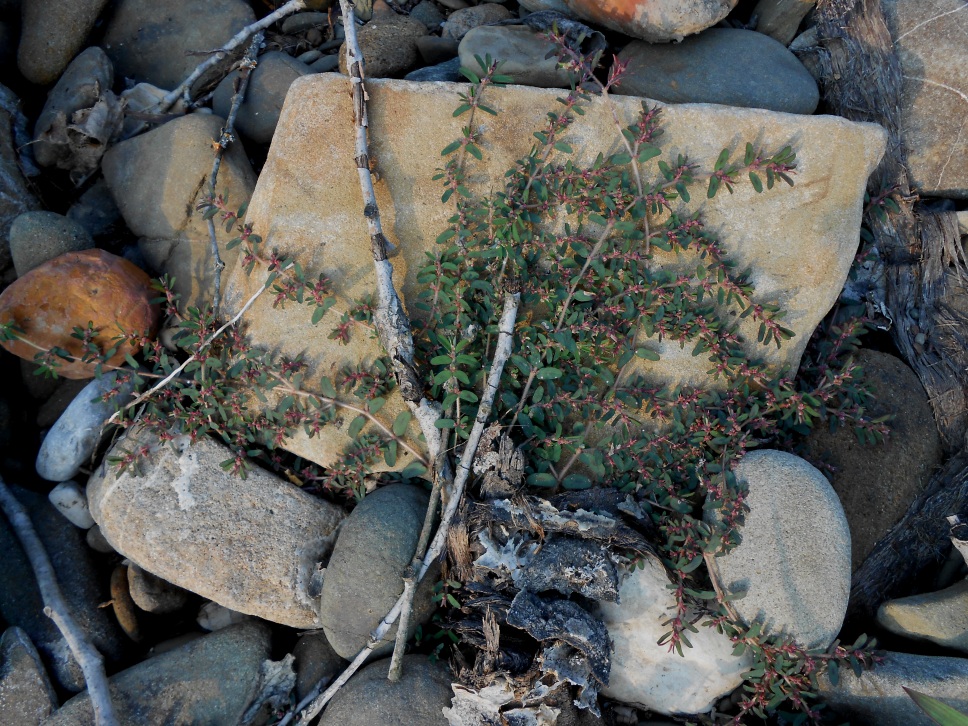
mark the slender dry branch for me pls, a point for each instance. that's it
(184, 88)
(167, 379)
(390, 319)
(502, 352)
(225, 138)
(87, 656)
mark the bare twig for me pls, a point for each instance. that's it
(167, 379)
(225, 138)
(87, 656)
(185, 87)
(390, 319)
(502, 352)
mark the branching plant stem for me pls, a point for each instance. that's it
(226, 137)
(87, 656)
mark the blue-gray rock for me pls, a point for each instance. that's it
(522, 52)
(86, 79)
(315, 661)
(40, 236)
(73, 438)
(878, 696)
(727, 66)
(155, 41)
(268, 85)
(368, 698)
(26, 696)
(446, 71)
(792, 567)
(325, 64)
(364, 577)
(51, 35)
(21, 603)
(212, 680)
(95, 210)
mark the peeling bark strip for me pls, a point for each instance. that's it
(862, 81)
(56, 608)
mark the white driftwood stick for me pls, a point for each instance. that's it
(167, 379)
(87, 656)
(185, 87)
(502, 352)
(390, 320)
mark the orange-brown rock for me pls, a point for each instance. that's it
(70, 291)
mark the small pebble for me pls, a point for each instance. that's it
(309, 56)
(124, 607)
(314, 36)
(326, 64)
(154, 595)
(96, 541)
(299, 22)
(69, 499)
(213, 616)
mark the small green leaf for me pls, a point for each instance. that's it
(721, 161)
(648, 152)
(576, 481)
(755, 181)
(545, 374)
(356, 426)
(450, 148)
(938, 711)
(376, 404)
(647, 354)
(401, 422)
(326, 386)
(470, 75)
(563, 147)
(544, 480)
(444, 423)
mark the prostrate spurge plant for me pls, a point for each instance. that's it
(567, 399)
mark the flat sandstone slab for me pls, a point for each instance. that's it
(799, 242)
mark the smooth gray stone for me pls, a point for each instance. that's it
(727, 66)
(26, 696)
(75, 435)
(38, 237)
(446, 71)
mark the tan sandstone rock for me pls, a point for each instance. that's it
(252, 545)
(930, 40)
(798, 242)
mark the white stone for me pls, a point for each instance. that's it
(648, 675)
(253, 545)
(73, 438)
(212, 617)
(792, 568)
(70, 500)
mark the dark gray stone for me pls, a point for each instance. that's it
(20, 601)
(727, 66)
(364, 577)
(524, 54)
(316, 661)
(96, 211)
(88, 76)
(434, 49)
(427, 13)
(878, 696)
(326, 64)
(368, 698)
(212, 680)
(268, 85)
(461, 21)
(37, 237)
(153, 41)
(446, 71)
(26, 696)
(15, 197)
